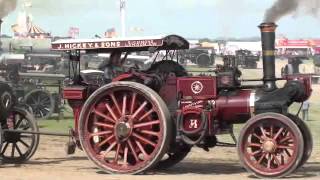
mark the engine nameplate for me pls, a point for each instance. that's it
(197, 87)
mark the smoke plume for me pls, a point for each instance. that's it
(7, 6)
(285, 7)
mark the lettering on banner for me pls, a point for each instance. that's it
(108, 44)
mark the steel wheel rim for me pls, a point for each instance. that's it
(131, 148)
(41, 104)
(172, 158)
(18, 147)
(261, 156)
(1, 139)
(307, 137)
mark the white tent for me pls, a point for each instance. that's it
(233, 46)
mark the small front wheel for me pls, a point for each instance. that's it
(270, 145)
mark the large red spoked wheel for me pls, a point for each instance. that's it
(125, 128)
(307, 137)
(270, 145)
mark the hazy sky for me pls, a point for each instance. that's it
(189, 18)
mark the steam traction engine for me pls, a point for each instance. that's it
(247, 59)
(152, 118)
(15, 147)
(127, 126)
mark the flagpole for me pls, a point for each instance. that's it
(123, 17)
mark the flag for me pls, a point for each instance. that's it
(110, 33)
(73, 32)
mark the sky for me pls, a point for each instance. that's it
(188, 18)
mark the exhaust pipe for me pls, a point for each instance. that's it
(268, 55)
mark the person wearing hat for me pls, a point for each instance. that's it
(113, 66)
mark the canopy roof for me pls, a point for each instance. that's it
(171, 42)
(33, 29)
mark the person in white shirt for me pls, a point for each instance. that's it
(305, 110)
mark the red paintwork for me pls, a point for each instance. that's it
(122, 77)
(233, 107)
(207, 89)
(191, 119)
(74, 93)
(229, 107)
(76, 114)
(168, 93)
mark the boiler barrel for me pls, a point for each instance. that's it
(235, 106)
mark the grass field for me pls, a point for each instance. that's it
(314, 122)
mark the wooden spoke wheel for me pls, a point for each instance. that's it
(270, 145)
(41, 102)
(307, 138)
(125, 128)
(19, 147)
(172, 158)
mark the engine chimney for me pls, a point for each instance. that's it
(268, 55)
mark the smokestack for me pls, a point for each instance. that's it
(268, 55)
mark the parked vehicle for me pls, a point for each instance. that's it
(203, 57)
(246, 59)
(31, 87)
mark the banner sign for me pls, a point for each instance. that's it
(106, 44)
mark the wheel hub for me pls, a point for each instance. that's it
(12, 137)
(269, 146)
(123, 130)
